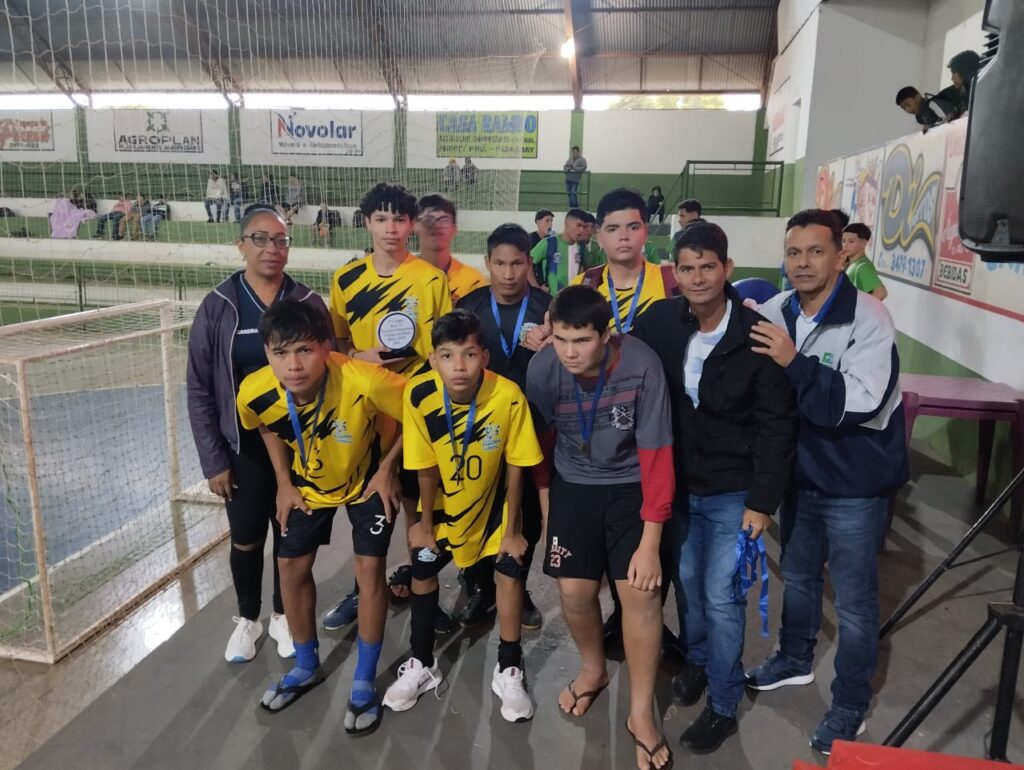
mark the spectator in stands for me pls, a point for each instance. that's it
(131, 225)
(962, 69)
(294, 198)
(436, 227)
(66, 217)
(587, 233)
(468, 172)
(543, 219)
(238, 195)
(656, 205)
(223, 347)
(216, 195)
(158, 212)
(326, 220)
(837, 346)
(690, 211)
(559, 258)
(82, 199)
(268, 190)
(574, 168)
(118, 211)
(910, 100)
(451, 175)
(859, 269)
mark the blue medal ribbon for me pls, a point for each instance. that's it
(624, 328)
(510, 349)
(749, 555)
(587, 425)
(467, 436)
(293, 415)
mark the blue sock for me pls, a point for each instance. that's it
(307, 660)
(366, 672)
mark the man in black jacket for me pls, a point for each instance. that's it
(734, 425)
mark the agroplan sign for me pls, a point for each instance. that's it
(316, 132)
(157, 136)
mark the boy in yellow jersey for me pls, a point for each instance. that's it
(469, 434)
(384, 305)
(628, 281)
(316, 411)
(436, 228)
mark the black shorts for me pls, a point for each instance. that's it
(410, 484)
(252, 506)
(371, 531)
(592, 529)
(306, 532)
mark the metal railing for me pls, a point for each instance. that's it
(732, 186)
(547, 191)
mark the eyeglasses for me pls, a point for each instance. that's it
(262, 239)
(444, 220)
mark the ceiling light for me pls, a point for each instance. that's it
(568, 49)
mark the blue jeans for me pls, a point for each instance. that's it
(114, 217)
(571, 189)
(712, 615)
(236, 201)
(846, 533)
(220, 204)
(149, 224)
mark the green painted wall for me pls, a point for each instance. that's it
(792, 187)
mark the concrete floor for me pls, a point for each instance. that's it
(155, 692)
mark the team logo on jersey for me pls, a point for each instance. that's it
(340, 432)
(622, 417)
(411, 307)
(527, 328)
(492, 437)
(826, 358)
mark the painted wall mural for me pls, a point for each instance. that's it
(908, 193)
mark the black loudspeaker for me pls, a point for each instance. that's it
(992, 186)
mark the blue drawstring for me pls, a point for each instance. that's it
(750, 553)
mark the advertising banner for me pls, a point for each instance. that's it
(316, 132)
(158, 136)
(38, 135)
(332, 138)
(487, 134)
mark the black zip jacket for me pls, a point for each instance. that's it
(742, 437)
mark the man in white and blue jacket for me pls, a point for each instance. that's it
(837, 347)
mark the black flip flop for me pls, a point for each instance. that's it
(651, 752)
(400, 577)
(357, 711)
(577, 697)
(297, 691)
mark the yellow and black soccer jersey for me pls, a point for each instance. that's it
(462, 279)
(474, 508)
(360, 298)
(344, 450)
(653, 289)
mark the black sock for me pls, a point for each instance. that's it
(247, 574)
(510, 654)
(423, 607)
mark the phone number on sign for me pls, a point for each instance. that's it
(912, 267)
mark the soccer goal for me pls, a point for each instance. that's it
(101, 497)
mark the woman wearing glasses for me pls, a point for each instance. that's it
(224, 346)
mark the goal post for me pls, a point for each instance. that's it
(101, 497)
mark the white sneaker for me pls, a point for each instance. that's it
(242, 644)
(510, 686)
(413, 680)
(280, 633)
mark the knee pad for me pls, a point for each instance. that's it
(426, 564)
